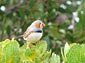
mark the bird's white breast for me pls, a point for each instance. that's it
(34, 37)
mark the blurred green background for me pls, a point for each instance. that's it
(64, 19)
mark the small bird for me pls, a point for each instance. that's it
(34, 32)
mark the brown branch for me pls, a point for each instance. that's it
(9, 8)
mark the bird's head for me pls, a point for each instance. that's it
(38, 24)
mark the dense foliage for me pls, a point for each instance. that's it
(64, 21)
(10, 52)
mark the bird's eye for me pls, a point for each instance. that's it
(39, 23)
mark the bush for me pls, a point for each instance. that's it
(74, 53)
(10, 52)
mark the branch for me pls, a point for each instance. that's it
(9, 8)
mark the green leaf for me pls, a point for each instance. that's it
(46, 55)
(36, 52)
(83, 54)
(66, 49)
(1, 53)
(41, 48)
(8, 30)
(11, 52)
(31, 54)
(26, 61)
(76, 54)
(54, 58)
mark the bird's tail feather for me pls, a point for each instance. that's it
(16, 37)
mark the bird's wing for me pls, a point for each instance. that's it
(27, 33)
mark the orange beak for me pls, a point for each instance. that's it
(43, 25)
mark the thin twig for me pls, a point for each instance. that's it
(9, 8)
